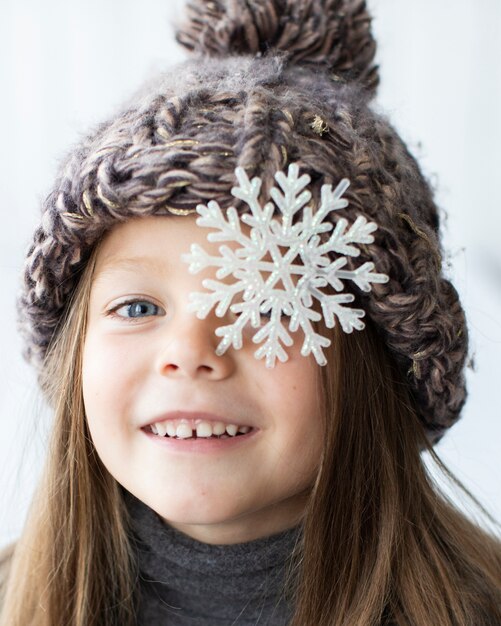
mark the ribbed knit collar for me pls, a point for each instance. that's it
(185, 581)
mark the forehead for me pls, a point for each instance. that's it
(155, 240)
(162, 239)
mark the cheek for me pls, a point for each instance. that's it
(106, 399)
(294, 389)
(106, 376)
(300, 406)
(290, 396)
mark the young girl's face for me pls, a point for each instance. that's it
(149, 360)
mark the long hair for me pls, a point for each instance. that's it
(380, 541)
(72, 564)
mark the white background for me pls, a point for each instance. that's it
(67, 65)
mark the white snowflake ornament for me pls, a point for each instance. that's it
(299, 262)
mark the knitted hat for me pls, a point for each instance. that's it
(271, 82)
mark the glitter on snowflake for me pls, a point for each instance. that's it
(258, 279)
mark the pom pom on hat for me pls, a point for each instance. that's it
(332, 34)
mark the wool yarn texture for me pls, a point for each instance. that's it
(268, 83)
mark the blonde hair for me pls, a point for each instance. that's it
(380, 541)
(72, 564)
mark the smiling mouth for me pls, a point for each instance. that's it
(203, 430)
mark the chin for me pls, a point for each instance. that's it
(196, 510)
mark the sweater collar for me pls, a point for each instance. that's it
(200, 580)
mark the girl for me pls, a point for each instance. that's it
(242, 397)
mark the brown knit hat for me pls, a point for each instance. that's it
(271, 82)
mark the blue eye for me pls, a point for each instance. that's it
(136, 309)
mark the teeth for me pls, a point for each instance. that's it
(161, 428)
(184, 429)
(171, 429)
(218, 428)
(204, 430)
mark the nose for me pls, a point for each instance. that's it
(189, 349)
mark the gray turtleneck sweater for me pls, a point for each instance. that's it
(184, 582)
